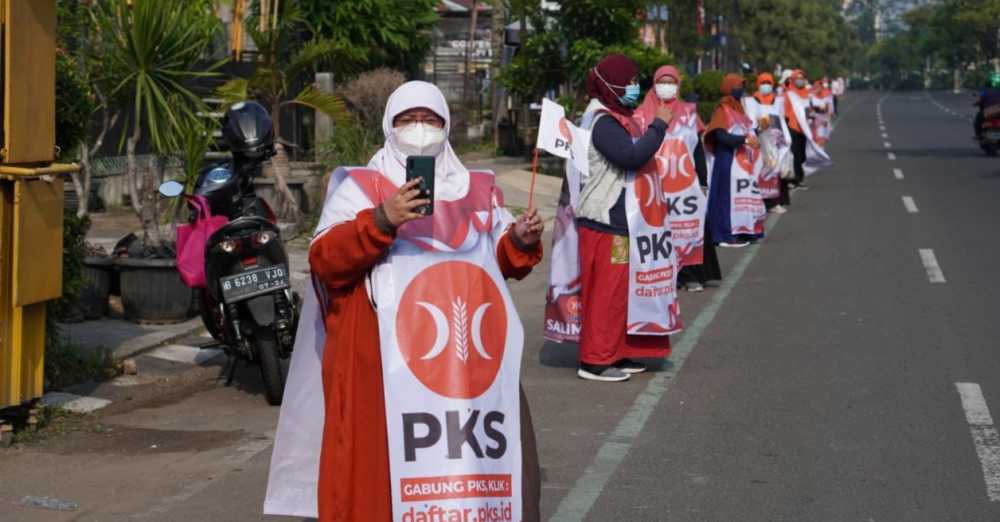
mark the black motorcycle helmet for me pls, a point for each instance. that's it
(248, 130)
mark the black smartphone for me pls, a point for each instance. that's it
(422, 168)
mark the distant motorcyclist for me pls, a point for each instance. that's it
(990, 95)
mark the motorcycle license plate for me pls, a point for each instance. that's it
(254, 282)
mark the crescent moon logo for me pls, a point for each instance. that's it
(440, 328)
(451, 329)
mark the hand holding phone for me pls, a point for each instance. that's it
(400, 207)
(421, 168)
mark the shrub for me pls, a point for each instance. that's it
(706, 85)
(367, 95)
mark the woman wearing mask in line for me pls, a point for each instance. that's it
(372, 246)
(619, 148)
(700, 262)
(797, 86)
(734, 218)
(769, 117)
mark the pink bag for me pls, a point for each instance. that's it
(191, 241)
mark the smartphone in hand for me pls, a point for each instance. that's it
(422, 168)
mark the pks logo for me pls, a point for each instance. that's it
(564, 130)
(443, 316)
(673, 172)
(674, 166)
(746, 156)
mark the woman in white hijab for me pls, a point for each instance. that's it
(332, 454)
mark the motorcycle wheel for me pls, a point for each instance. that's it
(270, 369)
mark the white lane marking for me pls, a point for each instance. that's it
(984, 435)
(881, 128)
(887, 145)
(911, 206)
(934, 273)
(898, 173)
(885, 135)
(892, 157)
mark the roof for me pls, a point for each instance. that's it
(463, 6)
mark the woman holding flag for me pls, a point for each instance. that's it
(679, 167)
(735, 209)
(609, 339)
(408, 318)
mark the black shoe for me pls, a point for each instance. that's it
(629, 366)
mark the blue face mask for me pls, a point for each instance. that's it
(737, 93)
(766, 89)
(631, 98)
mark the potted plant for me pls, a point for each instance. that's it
(152, 49)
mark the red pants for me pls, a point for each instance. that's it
(604, 290)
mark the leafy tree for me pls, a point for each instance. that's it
(385, 33)
(567, 43)
(811, 35)
(150, 50)
(281, 61)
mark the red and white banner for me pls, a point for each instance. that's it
(562, 301)
(775, 144)
(451, 344)
(652, 258)
(816, 156)
(746, 207)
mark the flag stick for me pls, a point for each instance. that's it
(534, 174)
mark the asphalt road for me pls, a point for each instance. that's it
(818, 383)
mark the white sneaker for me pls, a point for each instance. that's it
(607, 374)
(741, 244)
(778, 209)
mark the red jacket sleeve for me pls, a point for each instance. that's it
(514, 262)
(345, 252)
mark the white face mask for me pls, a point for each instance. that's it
(419, 139)
(666, 91)
(766, 89)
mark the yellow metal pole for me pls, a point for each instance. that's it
(31, 196)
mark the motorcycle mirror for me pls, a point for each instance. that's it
(171, 189)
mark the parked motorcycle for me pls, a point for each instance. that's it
(247, 303)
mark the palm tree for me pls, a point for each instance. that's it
(282, 60)
(152, 48)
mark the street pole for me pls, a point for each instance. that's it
(497, 32)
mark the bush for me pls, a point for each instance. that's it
(350, 145)
(74, 103)
(367, 95)
(74, 250)
(706, 85)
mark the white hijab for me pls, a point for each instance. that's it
(294, 471)
(451, 178)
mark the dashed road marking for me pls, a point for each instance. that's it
(887, 145)
(885, 135)
(984, 435)
(934, 273)
(911, 206)
(898, 173)
(892, 157)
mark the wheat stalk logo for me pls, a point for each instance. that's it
(460, 326)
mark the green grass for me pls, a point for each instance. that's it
(67, 364)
